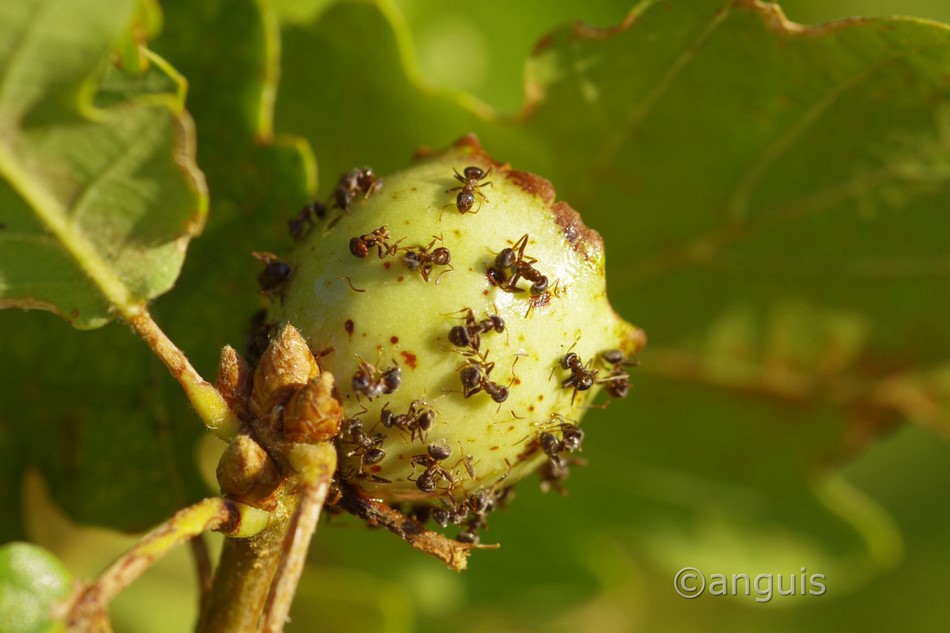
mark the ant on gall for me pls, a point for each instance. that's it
(471, 179)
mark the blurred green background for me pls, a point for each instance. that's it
(681, 474)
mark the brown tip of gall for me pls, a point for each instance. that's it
(469, 142)
(585, 241)
(635, 341)
(423, 152)
(533, 185)
(582, 239)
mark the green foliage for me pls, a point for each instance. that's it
(32, 580)
(773, 199)
(100, 193)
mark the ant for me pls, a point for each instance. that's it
(372, 382)
(355, 182)
(555, 470)
(514, 259)
(360, 246)
(470, 333)
(258, 336)
(473, 511)
(305, 219)
(470, 178)
(421, 417)
(552, 475)
(367, 446)
(570, 441)
(418, 420)
(274, 275)
(474, 377)
(617, 384)
(581, 378)
(432, 460)
(422, 259)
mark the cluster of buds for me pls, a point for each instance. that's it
(285, 400)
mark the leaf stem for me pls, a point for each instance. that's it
(207, 401)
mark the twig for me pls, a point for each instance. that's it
(293, 556)
(241, 580)
(316, 464)
(87, 609)
(203, 568)
(452, 553)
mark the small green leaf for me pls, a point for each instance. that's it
(98, 204)
(97, 414)
(31, 581)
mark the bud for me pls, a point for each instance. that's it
(313, 413)
(286, 366)
(246, 474)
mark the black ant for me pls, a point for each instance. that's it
(432, 460)
(258, 336)
(305, 219)
(353, 183)
(373, 382)
(474, 377)
(581, 378)
(361, 246)
(473, 511)
(274, 275)
(418, 420)
(555, 470)
(470, 333)
(570, 441)
(421, 417)
(470, 178)
(617, 383)
(552, 475)
(514, 259)
(367, 446)
(423, 259)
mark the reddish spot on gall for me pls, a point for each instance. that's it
(400, 278)
(387, 265)
(531, 408)
(540, 397)
(409, 358)
(393, 339)
(348, 326)
(494, 448)
(376, 468)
